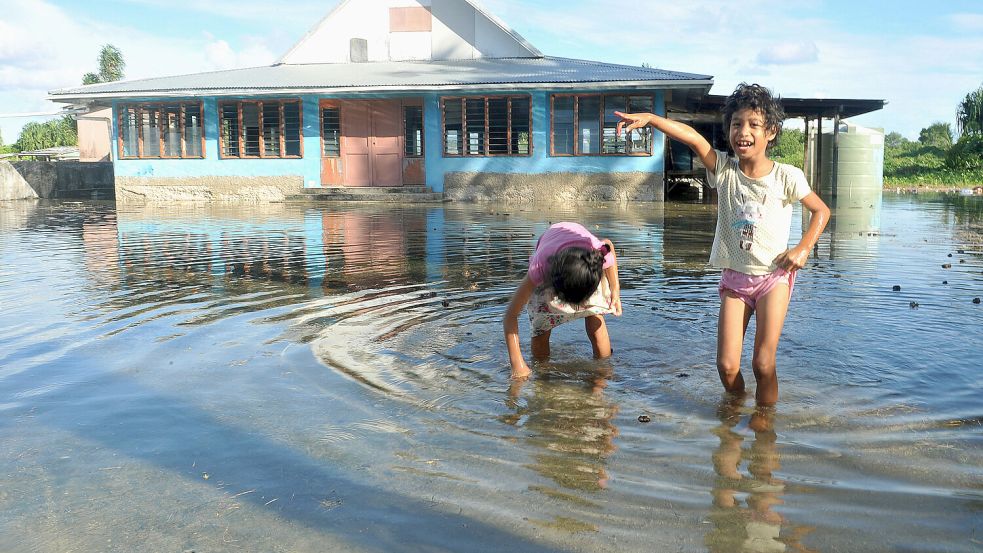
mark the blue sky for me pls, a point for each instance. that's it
(922, 57)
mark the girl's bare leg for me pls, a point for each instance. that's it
(731, 325)
(769, 320)
(597, 333)
(541, 346)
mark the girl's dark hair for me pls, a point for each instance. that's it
(758, 98)
(575, 273)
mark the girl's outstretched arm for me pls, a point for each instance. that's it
(510, 324)
(673, 129)
(611, 273)
(796, 258)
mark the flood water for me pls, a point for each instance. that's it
(333, 378)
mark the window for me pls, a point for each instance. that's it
(487, 126)
(413, 131)
(159, 130)
(261, 128)
(585, 125)
(330, 132)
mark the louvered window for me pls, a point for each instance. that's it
(161, 131)
(261, 129)
(585, 125)
(487, 126)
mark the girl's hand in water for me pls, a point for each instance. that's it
(521, 372)
(631, 121)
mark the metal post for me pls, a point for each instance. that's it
(835, 174)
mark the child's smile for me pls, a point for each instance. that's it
(749, 134)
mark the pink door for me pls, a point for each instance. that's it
(387, 142)
(372, 142)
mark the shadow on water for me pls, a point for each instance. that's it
(178, 437)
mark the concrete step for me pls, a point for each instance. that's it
(392, 194)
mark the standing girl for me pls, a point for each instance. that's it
(572, 275)
(754, 217)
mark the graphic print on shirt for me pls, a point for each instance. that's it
(749, 212)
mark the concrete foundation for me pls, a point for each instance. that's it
(13, 186)
(56, 180)
(554, 187)
(207, 189)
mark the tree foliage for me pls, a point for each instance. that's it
(938, 135)
(895, 140)
(967, 153)
(111, 66)
(790, 147)
(969, 113)
(57, 132)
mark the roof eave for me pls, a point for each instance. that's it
(194, 93)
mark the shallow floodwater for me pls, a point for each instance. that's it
(332, 378)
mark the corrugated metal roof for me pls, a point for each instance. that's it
(506, 73)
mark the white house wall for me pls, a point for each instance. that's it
(459, 31)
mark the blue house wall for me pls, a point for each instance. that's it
(437, 166)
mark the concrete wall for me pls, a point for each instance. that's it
(13, 186)
(207, 189)
(557, 189)
(95, 134)
(56, 180)
(459, 31)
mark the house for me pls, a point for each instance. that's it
(433, 95)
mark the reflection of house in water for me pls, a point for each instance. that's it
(368, 249)
(317, 250)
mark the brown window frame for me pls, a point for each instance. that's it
(423, 130)
(485, 140)
(160, 108)
(576, 125)
(320, 115)
(281, 102)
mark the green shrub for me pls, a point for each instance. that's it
(966, 154)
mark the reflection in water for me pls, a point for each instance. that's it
(568, 421)
(743, 513)
(346, 343)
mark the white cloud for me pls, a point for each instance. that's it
(967, 22)
(43, 47)
(787, 53)
(221, 55)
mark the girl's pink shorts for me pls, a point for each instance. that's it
(750, 288)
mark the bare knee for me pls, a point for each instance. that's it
(541, 347)
(764, 366)
(728, 367)
(597, 333)
(730, 375)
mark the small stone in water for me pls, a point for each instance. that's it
(946, 265)
(945, 282)
(644, 418)
(976, 300)
(896, 288)
(960, 251)
(950, 255)
(962, 260)
(445, 303)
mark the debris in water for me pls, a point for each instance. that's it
(644, 418)
(913, 305)
(896, 288)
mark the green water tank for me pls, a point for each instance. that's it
(859, 161)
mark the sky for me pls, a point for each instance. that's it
(921, 57)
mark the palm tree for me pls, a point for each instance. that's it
(111, 66)
(969, 113)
